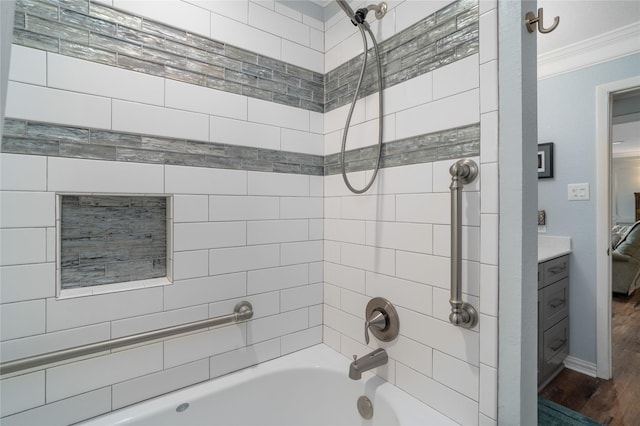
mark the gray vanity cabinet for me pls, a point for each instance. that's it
(553, 317)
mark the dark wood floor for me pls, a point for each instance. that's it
(613, 402)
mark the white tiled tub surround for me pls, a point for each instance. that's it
(394, 241)
(221, 255)
(237, 234)
(430, 354)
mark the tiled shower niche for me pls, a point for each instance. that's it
(108, 239)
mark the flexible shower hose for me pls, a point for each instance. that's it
(353, 104)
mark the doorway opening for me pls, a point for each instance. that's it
(604, 158)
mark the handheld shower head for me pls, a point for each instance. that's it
(361, 15)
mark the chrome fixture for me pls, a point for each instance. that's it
(379, 9)
(382, 319)
(359, 19)
(365, 407)
(531, 20)
(368, 362)
(242, 311)
(361, 14)
(462, 313)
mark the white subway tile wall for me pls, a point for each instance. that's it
(41, 278)
(396, 243)
(80, 109)
(302, 248)
(22, 392)
(66, 411)
(113, 82)
(28, 66)
(131, 391)
(57, 340)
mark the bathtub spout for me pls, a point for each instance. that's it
(368, 362)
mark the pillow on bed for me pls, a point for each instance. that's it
(617, 233)
(615, 239)
(631, 244)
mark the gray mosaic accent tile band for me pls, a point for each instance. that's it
(112, 239)
(35, 138)
(446, 36)
(100, 33)
(447, 144)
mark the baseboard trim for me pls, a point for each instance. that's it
(581, 366)
(602, 48)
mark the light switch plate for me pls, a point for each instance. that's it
(578, 191)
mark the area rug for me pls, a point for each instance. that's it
(552, 414)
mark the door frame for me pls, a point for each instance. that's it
(603, 221)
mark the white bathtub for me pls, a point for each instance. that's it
(309, 387)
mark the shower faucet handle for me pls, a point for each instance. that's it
(382, 318)
(377, 320)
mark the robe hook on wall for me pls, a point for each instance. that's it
(531, 20)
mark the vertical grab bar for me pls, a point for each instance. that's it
(462, 314)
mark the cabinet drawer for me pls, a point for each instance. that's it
(540, 334)
(555, 344)
(555, 303)
(540, 275)
(555, 269)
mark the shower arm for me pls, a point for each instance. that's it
(462, 313)
(379, 9)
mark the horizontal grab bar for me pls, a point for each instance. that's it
(242, 311)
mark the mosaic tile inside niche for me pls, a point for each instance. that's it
(446, 36)
(104, 34)
(35, 138)
(112, 239)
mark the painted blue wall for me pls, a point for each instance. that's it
(566, 117)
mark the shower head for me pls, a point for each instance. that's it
(360, 15)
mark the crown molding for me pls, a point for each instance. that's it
(605, 47)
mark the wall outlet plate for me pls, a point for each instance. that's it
(578, 191)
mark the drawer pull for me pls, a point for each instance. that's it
(557, 303)
(557, 269)
(557, 345)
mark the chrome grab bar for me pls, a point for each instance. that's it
(242, 311)
(462, 314)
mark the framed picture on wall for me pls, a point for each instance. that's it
(545, 160)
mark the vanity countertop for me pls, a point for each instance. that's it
(550, 247)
